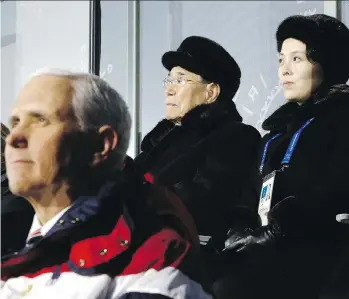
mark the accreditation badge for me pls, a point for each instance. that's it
(266, 197)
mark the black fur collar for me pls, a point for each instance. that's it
(207, 116)
(335, 96)
(203, 118)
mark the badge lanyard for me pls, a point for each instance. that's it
(290, 150)
(265, 199)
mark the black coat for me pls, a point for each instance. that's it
(306, 199)
(206, 160)
(314, 188)
(337, 286)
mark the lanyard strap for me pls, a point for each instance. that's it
(289, 153)
(264, 156)
(290, 150)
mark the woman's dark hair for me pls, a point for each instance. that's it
(326, 40)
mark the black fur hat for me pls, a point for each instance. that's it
(208, 59)
(327, 41)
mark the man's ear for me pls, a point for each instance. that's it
(213, 91)
(108, 139)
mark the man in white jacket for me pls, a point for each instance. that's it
(96, 232)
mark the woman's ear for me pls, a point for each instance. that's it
(213, 91)
(109, 140)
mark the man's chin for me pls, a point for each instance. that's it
(171, 117)
(22, 189)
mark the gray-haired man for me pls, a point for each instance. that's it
(94, 233)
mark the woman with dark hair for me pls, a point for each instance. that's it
(304, 161)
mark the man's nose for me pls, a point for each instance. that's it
(17, 139)
(169, 90)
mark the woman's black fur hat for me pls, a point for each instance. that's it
(208, 59)
(327, 41)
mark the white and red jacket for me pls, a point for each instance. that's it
(123, 243)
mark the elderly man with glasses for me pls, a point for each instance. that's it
(98, 231)
(202, 150)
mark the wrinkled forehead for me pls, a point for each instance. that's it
(49, 93)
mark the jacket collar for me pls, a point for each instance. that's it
(86, 209)
(202, 118)
(208, 116)
(89, 223)
(111, 224)
(336, 96)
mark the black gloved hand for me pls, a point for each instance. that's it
(250, 240)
